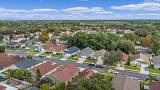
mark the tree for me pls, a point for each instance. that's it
(38, 75)
(112, 58)
(126, 46)
(60, 86)
(147, 41)
(2, 49)
(130, 36)
(53, 39)
(96, 82)
(142, 32)
(156, 47)
(44, 86)
(1, 37)
(44, 36)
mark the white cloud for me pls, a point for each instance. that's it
(4, 10)
(147, 6)
(148, 14)
(80, 10)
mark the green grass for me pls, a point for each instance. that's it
(154, 71)
(57, 56)
(132, 68)
(46, 54)
(89, 61)
(72, 58)
(32, 52)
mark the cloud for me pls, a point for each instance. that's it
(146, 6)
(148, 14)
(4, 10)
(80, 10)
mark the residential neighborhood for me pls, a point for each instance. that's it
(79, 45)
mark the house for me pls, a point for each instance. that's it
(8, 60)
(23, 43)
(71, 51)
(14, 82)
(98, 54)
(13, 44)
(18, 38)
(8, 87)
(2, 87)
(122, 82)
(142, 58)
(54, 48)
(26, 64)
(65, 74)
(154, 86)
(87, 73)
(45, 68)
(156, 61)
(35, 41)
(32, 88)
(85, 53)
(143, 49)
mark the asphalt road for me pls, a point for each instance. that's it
(101, 70)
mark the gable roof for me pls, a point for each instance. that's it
(85, 52)
(26, 63)
(122, 82)
(142, 58)
(2, 87)
(8, 60)
(98, 54)
(87, 73)
(54, 47)
(72, 50)
(66, 73)
(12, 44)
(154, 86)
(45, 67)
(23, 41)
(156, 60)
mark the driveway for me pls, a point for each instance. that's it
(81, 60)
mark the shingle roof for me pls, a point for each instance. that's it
(23, 41)
(45, 67)
(85, 52)
(156, 60)
(2, 87)
(121, 82)
(54, 47)
(26, 63)
(66, 73)
(8, 60)
(72, 50)
(142, 58)
(154, 86)
(12, 44)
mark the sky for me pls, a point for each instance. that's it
(79, 9)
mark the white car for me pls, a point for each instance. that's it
(115, 72)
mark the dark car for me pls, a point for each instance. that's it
(91, 65)
(99, 66)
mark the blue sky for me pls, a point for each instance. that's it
(79, 9)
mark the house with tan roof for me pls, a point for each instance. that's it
(65, 74)
(54, 48)
(46, 68)
(8, 60)
(122, 82)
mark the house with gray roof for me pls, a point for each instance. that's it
(71, 51)
(27, 64)
(156, 61)
(13, 44)
(122, 82)
(85, 53)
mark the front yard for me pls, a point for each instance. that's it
(57, 56)
(154, 71)
(89, 61)
(132, 68)
(72, 58)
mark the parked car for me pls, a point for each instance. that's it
(99, 66)
(91, 65)
(115, 72)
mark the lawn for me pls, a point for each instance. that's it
(57, 56)
(89, 61)
(132, 68)
(46, 54)
(154, 70)
(32, 52)
(72, 58)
